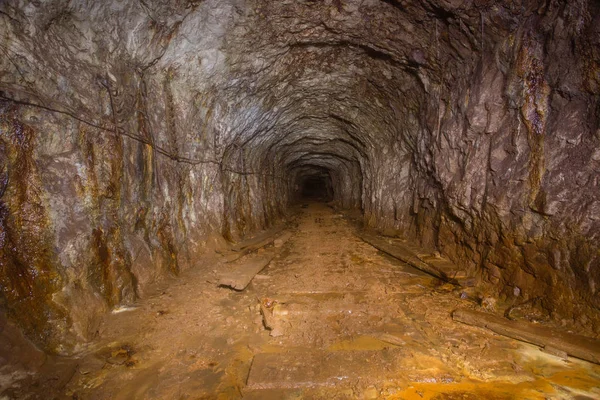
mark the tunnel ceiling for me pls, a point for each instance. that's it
(325, 72)
(337, 76)
(136, 135)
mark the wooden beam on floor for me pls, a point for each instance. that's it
(259, 240)
(245, 247)
(574, 345)
(299, 369)
(445, 271)
(239, 275)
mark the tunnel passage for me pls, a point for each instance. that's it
(132, 135)
(315, 185)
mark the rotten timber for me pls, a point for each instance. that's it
(310, 369)
(282, 239)
(261, 240)
(574, 345)
(442, 269)
(239, 275)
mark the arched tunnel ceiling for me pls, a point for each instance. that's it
(317, 67)
(278, 67)
(288, 64)
(347, 71)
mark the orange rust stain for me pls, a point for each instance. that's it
(477, 390)
(28, 266)
(576, 379)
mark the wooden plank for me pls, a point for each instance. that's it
(444, 265)
(234, 256)
(309, 369)
(259, 241)
(574, 345)
(281, 240)
(318, 305)
(390, 338)
(315, 309)
(404, 254)
(243, 248)
(240, 275)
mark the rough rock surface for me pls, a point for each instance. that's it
(134, 134)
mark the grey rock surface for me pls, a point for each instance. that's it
(134, 133)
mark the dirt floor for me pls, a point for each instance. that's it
(330, 318)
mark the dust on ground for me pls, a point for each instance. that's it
(343, 321)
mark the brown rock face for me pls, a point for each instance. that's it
(131, 133)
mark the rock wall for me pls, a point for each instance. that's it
(135, 136)
(109, 178)
(506, 172)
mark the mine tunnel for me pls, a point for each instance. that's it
(300, 199)
(313, 184)
(316, 187)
